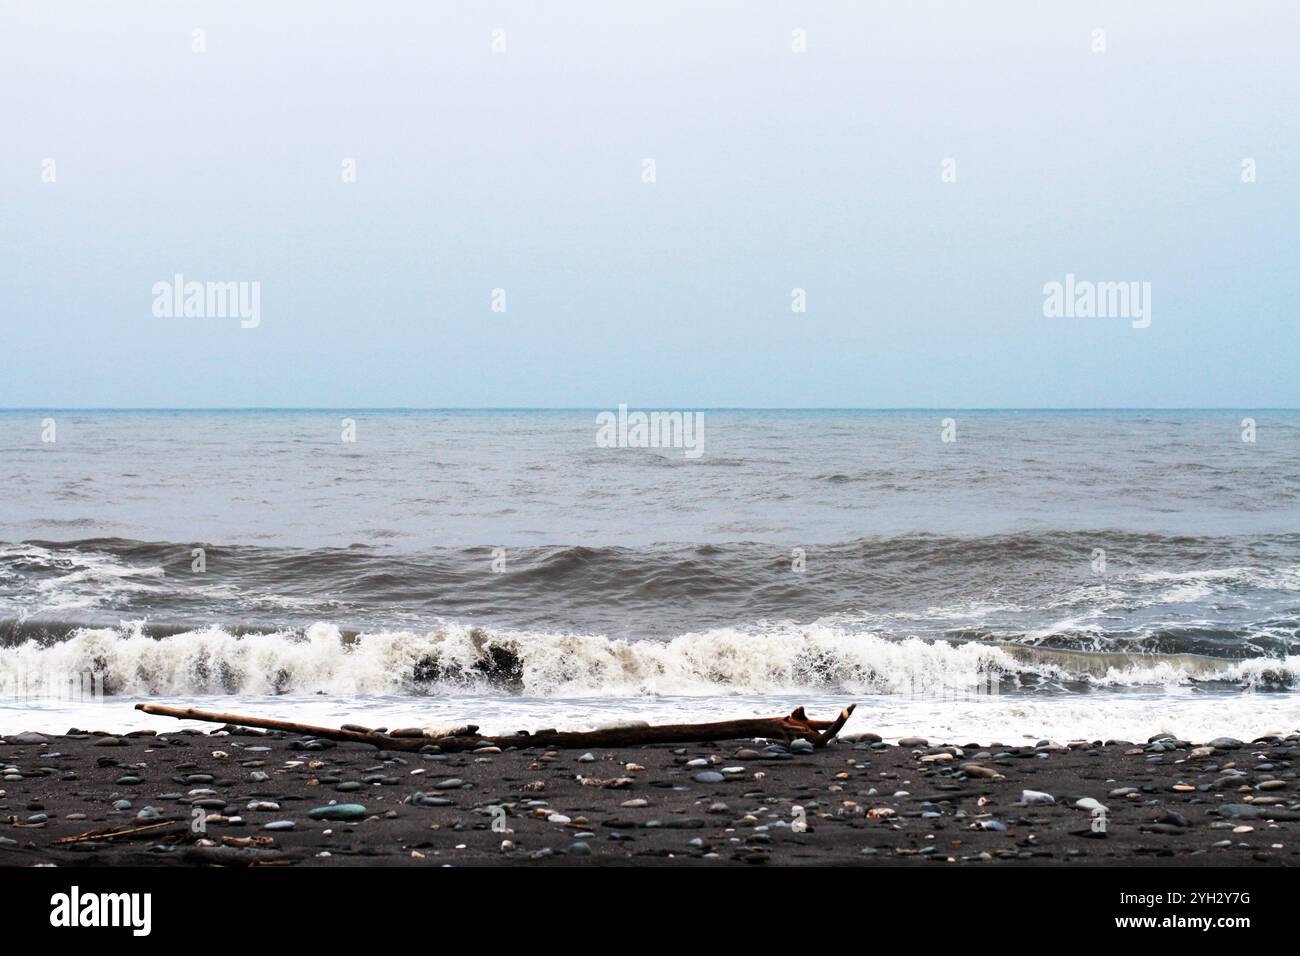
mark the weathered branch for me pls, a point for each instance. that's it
(796, 725)
(162, 828)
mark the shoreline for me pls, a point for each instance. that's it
(237, 797)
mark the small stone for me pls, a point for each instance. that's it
(709, 776)
(913, 742)
(1166, 829)
(424, 800)
(339, 811)
(1036, 798)
(580, 848)
(279, 825)
(27, 737)
(587, 758)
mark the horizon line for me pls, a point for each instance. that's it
(667, 408)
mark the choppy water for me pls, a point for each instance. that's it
(951, 588)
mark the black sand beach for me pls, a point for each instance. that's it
(258, 797)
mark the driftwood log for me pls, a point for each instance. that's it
(794, 726)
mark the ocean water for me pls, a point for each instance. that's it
(1044, 574)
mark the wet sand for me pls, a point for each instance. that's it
(240, 797)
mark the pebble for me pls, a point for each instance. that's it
(1166, 829)
(587, 758)
(339, 811)
(424, 800)
(801, 746)
(709, 776)
(451, 783)
(27, 737)
(279, 825)
(1034, 798)
(913, 742)
(1174, 818)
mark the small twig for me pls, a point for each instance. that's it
(147, 830)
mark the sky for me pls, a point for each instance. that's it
(523, 169)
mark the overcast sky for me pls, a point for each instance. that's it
(523, 170)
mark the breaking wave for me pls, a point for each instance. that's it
(818, 659)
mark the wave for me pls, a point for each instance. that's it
(819, 659)
(1033, 569)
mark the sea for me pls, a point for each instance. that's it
(961, 575)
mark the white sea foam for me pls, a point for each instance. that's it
(1010, 719)
(724, 661)
(89, 579)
